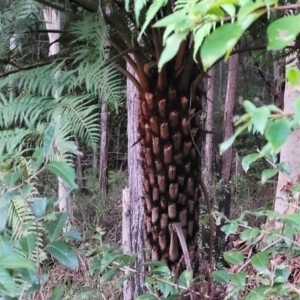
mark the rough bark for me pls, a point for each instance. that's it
(224, 202)
(103, 158)
(134, 242)
(289, 154)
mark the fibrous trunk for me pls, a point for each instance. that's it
(169, 128)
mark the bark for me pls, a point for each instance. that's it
(103, 158)
(224, 202)
(80, 175)
(289, 154)
(133, 242)
(208, 148)
(279, 82)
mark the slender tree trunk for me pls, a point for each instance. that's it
(80, 175)
(224, 202)
(134, 241)
(290, 155)
(103, 157)
(52, 18)
(208, 148)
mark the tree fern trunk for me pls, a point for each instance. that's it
(169, 127)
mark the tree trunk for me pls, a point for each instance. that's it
(103, 158)
(134, 242)
(224, 202)
(208, 148)
(52, 18)
(80, 175)
(290, 155)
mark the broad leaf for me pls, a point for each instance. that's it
(278, 132)
(73, 234)
(219, 43)
(293, 76)
(38, 207)
(16, 261)
(267, 174)
(55, 227)
(7, 283)
(3, 217)
(282, 32)
(250, 233)
(260, 118)
(234, 257)
(249, 159)
(239, 279)
(282, 274)
(186, 278)
(221, 276)
(58, 293)
(63, 253)
(64, 171)
(5, 247)
(162, 271)
(109, 275)
(260, 262)
(249, 107)
(293, 220)
(230, 228)
(147, 297)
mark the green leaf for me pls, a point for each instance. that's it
(38, 207)
(249, 159)
(260, 262)
(250, 233)
(186, 278)
(49, 138)
(293, 220)
(5, 247)
(230, 228)
(37, 159)
(293, 76)
(7, 283)
(173, 297)
(56, 226)
(109, 275)
(220, 42)
(73, 234)
(162, 271)
(15, 261)
(11, 178)
(229, 8)
(282, 32)
(28, 242)
(249, 107)
(239, 279)
(172, 45)
(234, 257)
(200, 34)
(260, 118)
(221, 276)
(63, 253)
(258, 293)
(64, 171)
(155, 263)
(282, 274)
(3, 217)
(87, 293)
(278, 132)
(58, 293)
(121, 280)
(267, 174)
(226, 144)
(284, 168)
(147, 297)
(108, 259)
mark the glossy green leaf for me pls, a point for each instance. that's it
(38, 207)
(234, 257)
(6, 248)
(63, 253)
(249, 233)
(221, 276)
(249, 107)
(15, 261)
(58, 293)
(64, 171)
(239, 279)
(282, 274)
(278, 132)
(162, 271)
(249, 159)
(109, 275)
(56, 226)
(260, 262)
(282, 32)
(185, 278)
(200, 34)
(28, 243)
(293, 220)
(7, 283)
(229, 8)
(73, 234)
(230, 228)
(219, 43)
(171, 48)
(267, 174)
